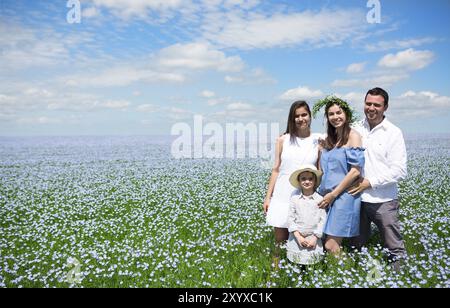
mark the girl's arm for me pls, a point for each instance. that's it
(275, 172)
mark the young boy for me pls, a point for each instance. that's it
(306, 220)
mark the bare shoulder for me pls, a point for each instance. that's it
(354, 139)
(281, 139)
(354, 133)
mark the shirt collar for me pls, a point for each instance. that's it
(383, 124)
(312, 197)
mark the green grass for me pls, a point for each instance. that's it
(193, 224)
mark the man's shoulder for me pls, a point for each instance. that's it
(359, 126)
(391, 126)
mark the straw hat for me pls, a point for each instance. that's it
(293, 179)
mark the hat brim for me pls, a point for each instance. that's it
(293, 179)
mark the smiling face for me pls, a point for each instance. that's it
(374, 109)
(336, 116)
(302, 118)
(307, 181)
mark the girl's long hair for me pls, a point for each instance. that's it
(332, 138)
(291, 126)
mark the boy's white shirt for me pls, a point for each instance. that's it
(385, 160)
(302, 211)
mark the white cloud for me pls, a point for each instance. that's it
(239, 106)
(233, 79)
(6, 100)
(35, 97)
(148, 108)
(252, 77)
(219, 101)
(313, 29)
(90, 12)
(38, 120)
(245, 4)
(116, 104)
(239, 110)
(122, 76)
(38, 92)
(409, 59)
(423, 100)
(355, 98)
(173, 64)
(178, 114)
(245, 112)
(22, 47)
(399, 44)
(198, 56)
(385, 80)
(207, 94)
(411, 105)
(300, 93)
(356, 67)
(140, 8)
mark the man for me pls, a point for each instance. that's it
(385, 166)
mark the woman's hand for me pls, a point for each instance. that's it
(266, 206)
(327, 201)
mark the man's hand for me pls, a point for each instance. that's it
(359, 187)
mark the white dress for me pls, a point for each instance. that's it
(306, 217)
(292, 157)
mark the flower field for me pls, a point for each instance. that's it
(120, 212)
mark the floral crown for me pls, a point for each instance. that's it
(332, 100)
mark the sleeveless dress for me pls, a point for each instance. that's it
(292, 157)
(343, 215)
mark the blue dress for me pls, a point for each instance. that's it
(343, 215)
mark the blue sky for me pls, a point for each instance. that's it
(139, 67)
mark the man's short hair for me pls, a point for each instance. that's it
(381, 92)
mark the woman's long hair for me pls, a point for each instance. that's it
(332, 138)
(291, 125)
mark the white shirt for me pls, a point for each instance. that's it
(305, 215)
(385, 157)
